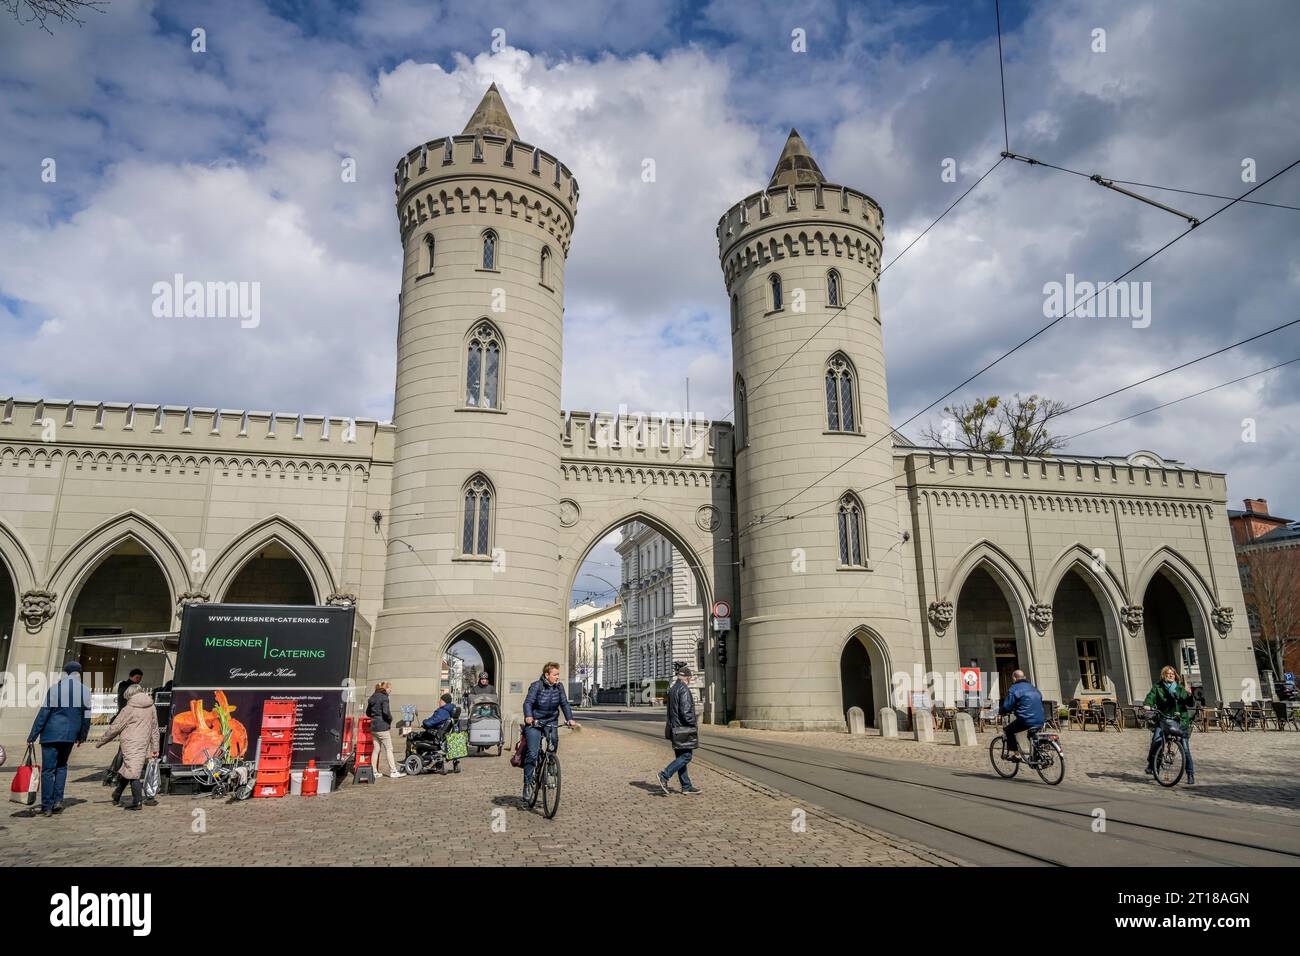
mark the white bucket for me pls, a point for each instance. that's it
(324, 781)
(295, 783)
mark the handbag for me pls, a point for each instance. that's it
(152, 778)
(685, 738)
(457, 745)
(521, 748)
(26, 780)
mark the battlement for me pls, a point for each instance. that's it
(457, 173)
(1140, 476)
(180, 427)
(620, 437)
(805, 219)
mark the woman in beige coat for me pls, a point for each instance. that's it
(137, 726)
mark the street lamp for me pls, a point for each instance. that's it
(627, 644)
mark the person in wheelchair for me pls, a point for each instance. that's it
(425, 748)
(441, 720)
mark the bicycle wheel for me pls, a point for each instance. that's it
(1169, 763)
(551, 788)
(1049, 761)
(1002, 764)
(537, 780)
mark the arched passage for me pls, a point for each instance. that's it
(1171, 633)
(272, 575)
(663, 597)
(991, 629)
(1089, 656)
(468, 652)
(124, 592)
(8, 612)
(864, 675)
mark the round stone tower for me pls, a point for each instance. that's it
(473, 521)
(823, 622)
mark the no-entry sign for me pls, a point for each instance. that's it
(970, 679)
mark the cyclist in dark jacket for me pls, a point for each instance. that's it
(1171, 699)
(542, 705)
(681, 717)
(1023, 700)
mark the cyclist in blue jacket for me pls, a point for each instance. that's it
(1023, 700)
(542, 705)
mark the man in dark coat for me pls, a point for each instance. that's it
(682, 731)
(134, 677)
(63, 722)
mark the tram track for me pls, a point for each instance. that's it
(958, 820)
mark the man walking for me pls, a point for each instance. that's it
(682, 731)
(61, 723)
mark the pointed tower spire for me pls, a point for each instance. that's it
(491, 117)
(796, 164)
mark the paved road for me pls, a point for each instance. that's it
(979, 817)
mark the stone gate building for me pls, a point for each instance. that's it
(852, 560)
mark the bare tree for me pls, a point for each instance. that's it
(1273, 594)
(41, 12)
(1016, 426)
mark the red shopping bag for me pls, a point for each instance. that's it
(27, 779)
(521, 748)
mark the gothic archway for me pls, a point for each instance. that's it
(271, 575)
(991, 632)
(864, 674)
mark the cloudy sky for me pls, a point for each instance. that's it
(226, 164)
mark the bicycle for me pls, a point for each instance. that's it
(1045, 756)
(546, 773)
(1169, 761)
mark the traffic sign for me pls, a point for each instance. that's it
(970, 679)
(722, 623)
(721, 609)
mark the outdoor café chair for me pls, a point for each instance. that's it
(1110, 716)
(1051, 714)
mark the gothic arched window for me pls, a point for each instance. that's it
(735, 313)
(834, 298)
(489, 249)
(774, 284)
(840, 401)
(742, 413)
(476, 531)
(853, 549)
(484, 349)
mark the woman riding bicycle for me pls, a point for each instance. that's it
(1171, 699)
(542, 705)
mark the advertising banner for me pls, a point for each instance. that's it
(235, 658)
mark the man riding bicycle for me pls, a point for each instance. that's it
(1023, 700)
(542, 705)
(1171, 700)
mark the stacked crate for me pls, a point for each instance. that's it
(365, 754)
(275, 748)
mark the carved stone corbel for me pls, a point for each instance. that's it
(1132, 616)
(191, 597)
(941, 614)
(341, 599)
(1222, 617)
(1040, 616)
(37, 608)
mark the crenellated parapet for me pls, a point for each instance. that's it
(809, 219)
(139, 437)
(1140, 484)
(483, 173)
(646, 441)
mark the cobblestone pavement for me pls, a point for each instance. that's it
(1257, 767)
(611, 814)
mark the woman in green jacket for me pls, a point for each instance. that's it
(1171, 698)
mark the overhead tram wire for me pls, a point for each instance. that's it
(1072, 408)
(1006, 133)
(1175, 401)
(1007, 354)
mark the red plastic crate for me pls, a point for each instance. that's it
(269, 734)
(271, 790)
(276, 748)
(278, 721)
(280, 707)
(273, 764)
(269, 776)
